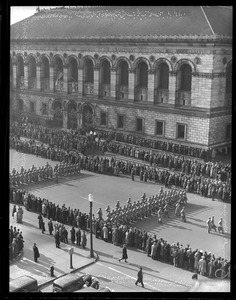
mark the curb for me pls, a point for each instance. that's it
(45, 284)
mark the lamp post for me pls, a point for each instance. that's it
(92, 134)
(90, 197)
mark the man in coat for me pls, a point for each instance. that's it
(124, 253)
(50, 226)
(140, 277)
(36, 252)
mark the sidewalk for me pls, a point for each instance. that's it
(49, 254)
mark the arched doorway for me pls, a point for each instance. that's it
(57, 113)
(72, 116)
(87, 118)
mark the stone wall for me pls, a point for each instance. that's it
(217, 129)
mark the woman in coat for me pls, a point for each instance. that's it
(72, 235)
(124, 253)
(84, 239)
(19, 215)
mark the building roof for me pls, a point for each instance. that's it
(126, 21)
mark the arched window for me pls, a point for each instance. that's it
(44, 68)
(164, 76)
(142, 75)
(20, 66)
(73, 70)
(186, 77)
(58, 68)
(123, 73)
(32, 67)
(88, 71)
(105, 72)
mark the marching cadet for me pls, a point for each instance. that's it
(159, 214)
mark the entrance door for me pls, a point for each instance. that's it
(57, 114)
(87, 118)
(72, 116)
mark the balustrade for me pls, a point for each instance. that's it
(72, 87)
(59, 86)
(183, 97)
(44, 83)
(105, 90)
(122, 92)
(88, 88)
(32, 83)
(140, 93)
(161, 96)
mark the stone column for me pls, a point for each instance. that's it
(38, 76)
(14, 75)
(51, 77)
(113, 82)
(80, 80)
(65, 78)
(96, 81)
(172, 87)
(151, 86)
(131, 84)
(26, 75)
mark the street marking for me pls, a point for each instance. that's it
(128, 276)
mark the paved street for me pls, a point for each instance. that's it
(107, 190)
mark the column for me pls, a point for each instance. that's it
(96, 81)
(80, 80)
(14, 75)
(51, 77)
(113, 83)
(38, 76)
(26, 76)
(151, 85)
(65, 78)
(131, 84)
(172, 87)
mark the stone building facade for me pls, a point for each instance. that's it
(171, 87)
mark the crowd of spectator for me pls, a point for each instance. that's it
(116, 232)
(203, 185)
(16, 242)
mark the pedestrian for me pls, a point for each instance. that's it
(72, 235)
(36, 253)
(57, 239)
(50, 226)
(124, 253)
(140, 277)
(13, 210)
(40, 218)
(220, 226)
(43, 226)
(78, 237)
(84, 239)
(208, 222)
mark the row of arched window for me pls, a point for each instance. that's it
(67, 79)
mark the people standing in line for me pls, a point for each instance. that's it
(57, 239)
(124, 253)
(43, 226)
(72, 235)
(50, 226)
(36, 253)
(40, 218)
(84, 239)
(78, 237)
(140, 277)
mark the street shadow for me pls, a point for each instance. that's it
(104, 254)
(225, 235)
(201, 226)
(30, 225)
